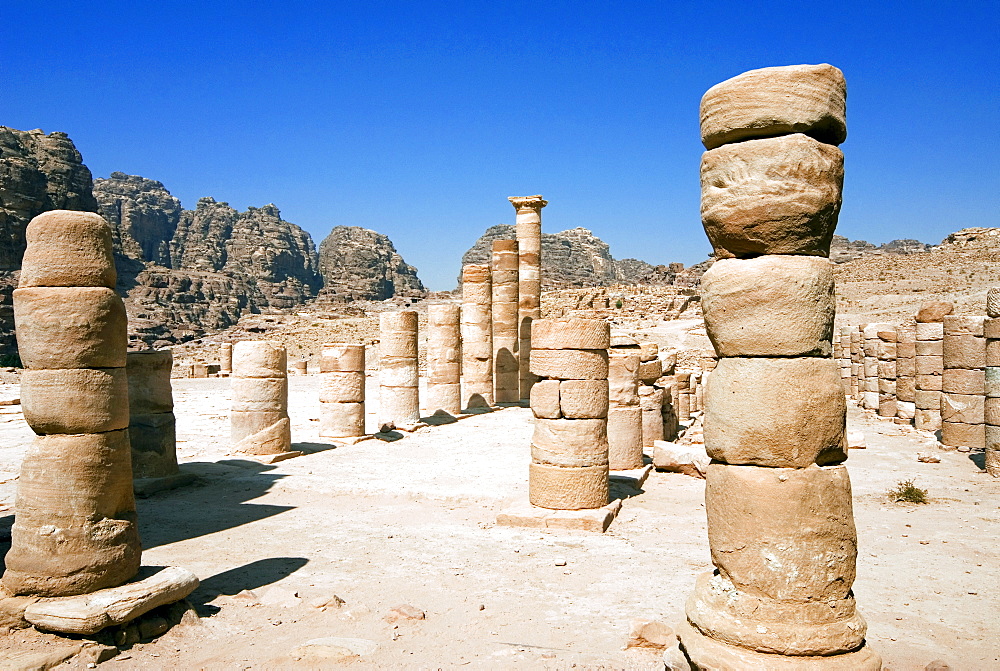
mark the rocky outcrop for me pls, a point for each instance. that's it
(843, 249)
(143, 217)
(38, 172)
(360, 264)
(578, 258)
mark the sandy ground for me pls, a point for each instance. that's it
(381, 524)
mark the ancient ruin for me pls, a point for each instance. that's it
(528, 228)
(399, 396)
(259, 418)
(444, 360)
(505, 310)
(775, 414)
(342, 394)
(151, 426)
(477, 337)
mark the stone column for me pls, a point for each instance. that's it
(75, 531)
(963, 384)
(342, 390)
(991, 330)
(152, 427)
(842, 353)
(301, 367)
(870, 395)
(929, 367)
(260, 424)
(885, 352)
(650, 367)
(569, 448)
(399, 375)
(625, 414)
(683, 396)
(857, 362)
(477, 337)
(528, 226)
(444, 360)
(226, 359)
(506, 367)
(777, 496)
(906, 371)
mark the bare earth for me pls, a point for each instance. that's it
(381, 524)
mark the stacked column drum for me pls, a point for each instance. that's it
(991, 330)
(260, 424)
(569, 447)
(152, 426)
(528, 230)
(399, 375)
(625, 414)
(75, 530)
(444, 360)
(778, 497)
(506, 366)
(963, 383)
(342, 390)
(477, 336)
(906, 371)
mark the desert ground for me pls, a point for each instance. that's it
(411, 521)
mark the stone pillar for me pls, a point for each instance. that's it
(342, 390)
(683, 396)
(885, 352)
(477, 337)
(528, 226)
(226, 359)
(75, 531)
(906, 371)
(870, 395)
(260, 424)
(650, 367)
(444, 360)
(991, 330)
(301, 367)
(152, 427)
(857, 362)
(777, 496)
(842, 353)
(963, 384)
(929, 368)
(399, 375)
(625, 413)
(506, 367)
(569, 448)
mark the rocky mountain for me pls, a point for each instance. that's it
(843, 249)
(38, 172)
(577, 258)
(360, 264)
(143, 217)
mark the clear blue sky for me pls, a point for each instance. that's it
(418, 119)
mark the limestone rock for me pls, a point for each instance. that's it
(773, 196)
(690, 460)
(360, 264)
(143, 216)
(934, 311)
(808, 99)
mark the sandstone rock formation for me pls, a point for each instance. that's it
(360, 264)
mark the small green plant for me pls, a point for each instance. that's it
(618, 304)
(907, 492)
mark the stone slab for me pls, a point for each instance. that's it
(633, 477)
(523, 514)
(274, 458)
(146, 487)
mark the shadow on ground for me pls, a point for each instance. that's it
(219, 501)
(250, 576)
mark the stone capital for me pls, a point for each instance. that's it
(522, 203)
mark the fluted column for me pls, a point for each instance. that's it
(528, 225)
(477, 337)
(777, 496)
(444, 359)
(75, 530)
(505, 306)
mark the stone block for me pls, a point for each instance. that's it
(342, 387)
(929, 382)
(929, 331)
(570, 364)
(570, 442)
(260, 394)
(399, 372)
(398, 406)
(886, 386)
(247, 423)
(341, 420)
(443, 399)
(623, 377)
(259, 358)
(927, 420)
(68, 249)
(906, 388)
(933, 312)
(773, 101)
(70, 327)
(275, 439)
(81, 400)
(958, 434)
(771, 305)
(991, 411)
(544, 399)
(154, 445)
(905, 410)
(928, 400)
(886, 405)
(584, 399)
(928, 365)
(964, 408)
(963, 381)
(775, 412)
(648, 351)
(625, 437)
(964, 351)
(397, 344)
(798, 519)
(887, 369)
(533, 517)
(570, 333)
(568, 488)
(671, 457)
(906, 367)
(964, 325)
(650, 371)
(149, 387)
(991, 382)
(778, 195)
(342, 358)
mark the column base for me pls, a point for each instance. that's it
(707, 654)
(523, 514)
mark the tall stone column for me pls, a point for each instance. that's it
(152, 426)
(506, 366)
(625, 414)
(870, 396)
(857, 363)
(929, 368)
(342, 390)
(226, 359)
(444, 359)
(991, 330)
(528, 226)
(963, 383)
(777, 497)
(842, 353)
(569, 447)
(885, 352)
(75, 530)
(477, 337)
(260, 424)
(399, 375)
(906, 371)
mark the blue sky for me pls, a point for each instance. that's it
(418, 119)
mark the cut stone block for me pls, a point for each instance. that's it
(570, 364)
(75, 400)
(533, 517)
(570, 333)
(68, 249)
